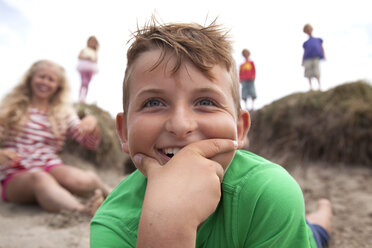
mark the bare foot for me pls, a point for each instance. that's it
(322, 215)
(106, 190)
(94, 202)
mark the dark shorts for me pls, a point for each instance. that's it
(248, 89)
(321, 236)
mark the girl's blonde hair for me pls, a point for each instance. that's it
(14, 106)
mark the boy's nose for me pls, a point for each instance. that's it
(181, 123)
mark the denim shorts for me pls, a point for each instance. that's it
(321, 236)
(248, 89)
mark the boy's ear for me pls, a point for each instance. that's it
(122, 131)
(243, 125)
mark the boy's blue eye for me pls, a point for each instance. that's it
(206, 102)
(153, 103)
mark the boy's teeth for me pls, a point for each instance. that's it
(171, 150)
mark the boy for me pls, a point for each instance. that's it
(313, 52)
(182, 125)
(247, 75)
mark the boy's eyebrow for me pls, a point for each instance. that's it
(209, 89)
(149, 91)
(214, 90)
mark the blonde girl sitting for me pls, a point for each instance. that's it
(35, 119)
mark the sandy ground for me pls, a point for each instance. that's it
(349, 189)
(30, 226)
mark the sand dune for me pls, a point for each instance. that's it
(324, 167)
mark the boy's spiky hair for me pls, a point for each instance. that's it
(205, 47)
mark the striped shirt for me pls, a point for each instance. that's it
(38, 147)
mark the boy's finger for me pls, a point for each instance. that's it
(145, 164)
(219, 171)
(212, 147)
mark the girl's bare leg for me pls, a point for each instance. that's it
(77, 181)
(322, 216)
(82, 93)
(42, 188)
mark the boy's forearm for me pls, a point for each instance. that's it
(164, 222)
(158, 229)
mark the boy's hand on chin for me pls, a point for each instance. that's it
(186, 190)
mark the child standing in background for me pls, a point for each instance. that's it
(87, 65)
(247, 75)
(313, 53)
(35, 120)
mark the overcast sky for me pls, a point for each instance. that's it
(272, 30)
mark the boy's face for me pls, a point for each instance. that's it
(168, 111)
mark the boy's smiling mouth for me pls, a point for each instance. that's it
(169, 152)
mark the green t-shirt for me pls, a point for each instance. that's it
(261, 206)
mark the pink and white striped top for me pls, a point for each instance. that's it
(38, 147)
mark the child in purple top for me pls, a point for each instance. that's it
(313, 52)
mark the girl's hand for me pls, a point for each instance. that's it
(8, 159)
(88, 125)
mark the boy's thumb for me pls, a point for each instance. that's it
(145, 164)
